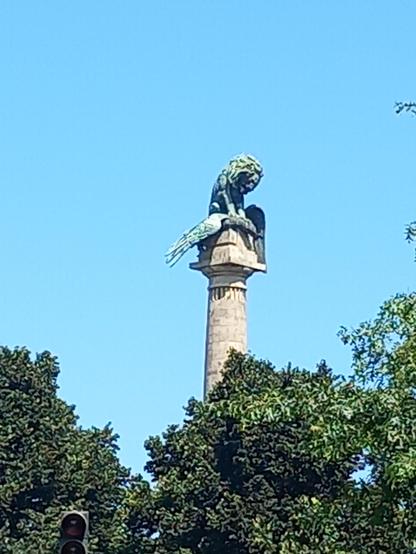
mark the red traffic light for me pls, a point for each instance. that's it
(74, 532)
(73, 526)
(73, 547)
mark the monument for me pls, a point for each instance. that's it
(231, 244)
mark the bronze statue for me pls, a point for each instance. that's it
(226, 209)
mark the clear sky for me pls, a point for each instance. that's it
(115, 119)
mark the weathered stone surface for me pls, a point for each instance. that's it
(227, 261)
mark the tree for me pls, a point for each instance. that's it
(287, 462)
(384, 362)
(290, 461)
(49, 464)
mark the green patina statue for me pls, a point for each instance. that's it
(226, 209)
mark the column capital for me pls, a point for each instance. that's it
(229, 255)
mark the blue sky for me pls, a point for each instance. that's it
(115, 119)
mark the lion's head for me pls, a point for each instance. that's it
(243, 172)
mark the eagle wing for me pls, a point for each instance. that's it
(209, 226)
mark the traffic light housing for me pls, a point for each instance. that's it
(74, 533)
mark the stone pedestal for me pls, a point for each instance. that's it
(227, 260)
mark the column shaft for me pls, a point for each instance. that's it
(228, 260)
(226, 326)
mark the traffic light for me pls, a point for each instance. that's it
(74, 533)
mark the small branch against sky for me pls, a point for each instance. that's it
(410, 232)
(400, 107)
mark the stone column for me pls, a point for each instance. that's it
(227, 261)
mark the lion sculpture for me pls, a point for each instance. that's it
(226, 208)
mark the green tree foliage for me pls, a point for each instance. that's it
(290, 461)
(287, 462)
(384, 362)
(48, 463)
